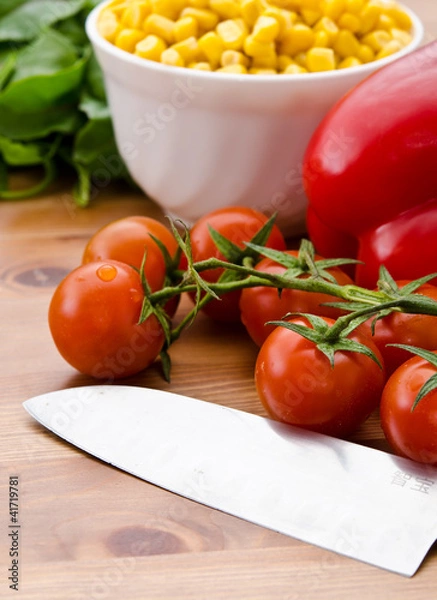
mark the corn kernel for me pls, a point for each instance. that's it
(250, 11)
(349, 21)
(127, 39)
(390, 48)
(109, 27)
(326, 24)
(151, 47)
(350, 61)
(166, 8)
(160, 26)
(265, 62)
(369, 16)
(265, 30)
(256, 71)
(200, 66)
(198, 3)
(286, 4)
(310, 16)
(284, 61)
(232, 57)
(226, 9)
(346, 44)
(188, 49)
(242, 25)
(185, 28)
(254, 48)
(333, 8)
(115, 3)
(134, 15)
(211, 45)
(237, 69)
(401, 17)
(171, 57)
(294, 69)
(354, 6)
(377, 39)
(320, 59)
(321, 40)
(206, 18)
(310, 4)
(385, 22)
(297, 39)
(301, 59)
(231, 34)
(401, 36)
(365, 53)
(118, 9)
(106, 13)
(285, 18)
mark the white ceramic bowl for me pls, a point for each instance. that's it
(195, 141)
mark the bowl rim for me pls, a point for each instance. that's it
(418, 32)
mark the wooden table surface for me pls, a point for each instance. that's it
(88, 531)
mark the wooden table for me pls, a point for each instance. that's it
(92, 532)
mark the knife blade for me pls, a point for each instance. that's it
(344, 497)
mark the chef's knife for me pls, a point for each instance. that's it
(353, 500)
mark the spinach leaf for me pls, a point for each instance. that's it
(52, 98)
(8, 5)
(29, 19)
(47, 55)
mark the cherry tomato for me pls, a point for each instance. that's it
(412, 434)
(261, 304)
(403, 328)
(238, 224)
(297, 384)
(126, 240)
(93, 319)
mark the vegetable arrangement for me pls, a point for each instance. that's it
(52, 98)
(258, 38)
(112, 317)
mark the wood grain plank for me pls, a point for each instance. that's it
(295, 573)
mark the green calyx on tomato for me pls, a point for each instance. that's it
(298, 385)
(302, 262)
(329, 337)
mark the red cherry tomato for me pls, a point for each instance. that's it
(261, 304)
(412, 434)
(126, 240)
(404, 328)
(238, 224)
(93, 319)
(297, 384)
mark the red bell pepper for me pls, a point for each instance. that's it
(370, 172)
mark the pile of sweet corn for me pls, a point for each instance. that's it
(256, 36)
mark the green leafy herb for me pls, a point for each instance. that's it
(52, 98)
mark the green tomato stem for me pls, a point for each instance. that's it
(370, 302)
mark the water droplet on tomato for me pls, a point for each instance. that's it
(106, 272)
